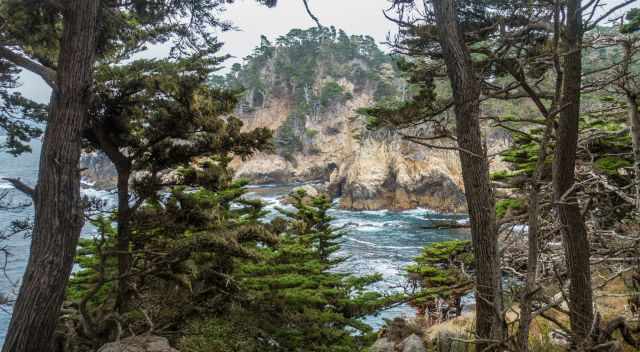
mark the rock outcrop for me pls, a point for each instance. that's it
(143, 343)
(399, 336)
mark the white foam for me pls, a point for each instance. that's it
(419, 213)
(463, 221)
(87, 182)
(371, 244)
(381, 212)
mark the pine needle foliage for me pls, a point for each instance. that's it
(296, 298)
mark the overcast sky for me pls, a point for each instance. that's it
(252, 20)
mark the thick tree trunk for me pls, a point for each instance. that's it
(576, 242)
(475, 173)
(58, 206)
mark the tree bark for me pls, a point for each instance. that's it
(631, 95)
(124, 238)
(57, 202)
(475, 173)
(575, 240)
(634, 122)
(532, 236)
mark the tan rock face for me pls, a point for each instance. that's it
(368, 173)
(396, 176)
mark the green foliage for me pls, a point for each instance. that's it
(332, 94)
(189, 222)
(230, 333)
(288, 137)
(310, 132)
(184, 246)
(505, 174)
(304, 67)
(441, 273)
(20, 118)
(632, 23)
(397, 113)
(296, 297)
(611, 165)
(510, 205)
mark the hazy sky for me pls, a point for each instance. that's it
(252, 20)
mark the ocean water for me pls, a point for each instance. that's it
(374, 242)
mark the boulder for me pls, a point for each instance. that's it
(310, 191)
(146, 343)
(383, 345)
(413, 343)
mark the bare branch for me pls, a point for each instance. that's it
(47, 74)
(608, 13)
(21, 186)
(313, 17)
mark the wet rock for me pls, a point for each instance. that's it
(148, 343)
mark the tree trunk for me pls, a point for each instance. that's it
(634, 122)
(57, 202)
(475, 173)
(532, 236)
(124, 238)
(631, 96)
(575, 240)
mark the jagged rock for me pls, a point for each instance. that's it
(413, 343)
(148, 343)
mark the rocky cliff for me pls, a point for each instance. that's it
(307, 87)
